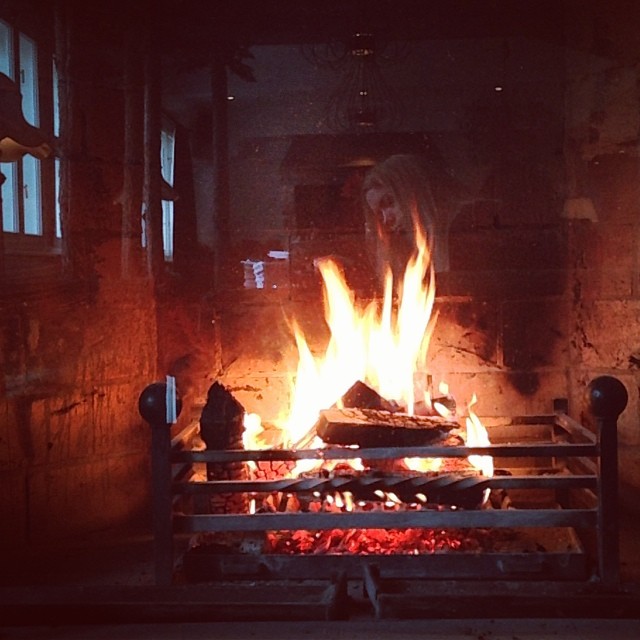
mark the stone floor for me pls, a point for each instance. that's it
(124, 560)
(505, 629)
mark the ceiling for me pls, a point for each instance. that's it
(200, 23)
(197, 31)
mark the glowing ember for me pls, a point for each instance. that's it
(423, 465)
(380, 541)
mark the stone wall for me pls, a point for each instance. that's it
(603, 117)
(83, 331)
(542, 293)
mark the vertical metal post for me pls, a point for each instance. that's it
(162, 503)
(608, 398)
(153, 408)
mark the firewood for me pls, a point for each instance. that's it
(362, 396)
(375, 428)
(221, 427)
(221, 419)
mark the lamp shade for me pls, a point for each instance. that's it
(11, 151)
(12, 122)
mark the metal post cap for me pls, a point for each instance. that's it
(607, 397)
(152, 403)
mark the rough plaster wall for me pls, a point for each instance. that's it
(539, 301)
(78, 345)
(71, 446)
(603, 117)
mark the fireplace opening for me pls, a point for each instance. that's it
(543, 523)
(401, 481)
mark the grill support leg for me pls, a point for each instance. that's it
(608, 399)
(162, 503)
(153, 408)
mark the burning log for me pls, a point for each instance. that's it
(362, 396)
(221, 427)
(221, 419)
(374, 428)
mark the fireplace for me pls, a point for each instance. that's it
(532, 283)
(548, 529)
(400, 488)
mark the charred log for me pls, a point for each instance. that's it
(362, 396)
(221, 427)
(221, 419)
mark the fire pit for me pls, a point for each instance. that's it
(550, 521)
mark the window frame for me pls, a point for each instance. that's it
(168, 171)
(49, 238)
(168, 135)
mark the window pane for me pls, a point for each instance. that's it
(31, 195)
(167, 146)
(9, 202)
(29, 79)
(143, 223)
(167, 229)
(56, 101)
(58, 214)
(6, 50)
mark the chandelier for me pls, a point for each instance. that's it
(362, 101)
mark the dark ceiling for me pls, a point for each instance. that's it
(251, 22)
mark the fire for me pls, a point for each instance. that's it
(377, 344)
(477, 436)
(383, 344)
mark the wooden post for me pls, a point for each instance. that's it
(152, 130)
(608, 398)
(220, 148)
(131, 199)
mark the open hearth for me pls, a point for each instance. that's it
(551, 519)
(385, 482)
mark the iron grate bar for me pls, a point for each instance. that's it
(580, 518)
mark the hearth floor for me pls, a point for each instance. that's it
(124, 559)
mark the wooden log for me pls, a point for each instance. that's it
(362, 396)
(221, 427)
(372, 427)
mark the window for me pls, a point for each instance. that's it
(167, 150)
(30, 208)
(167, 163)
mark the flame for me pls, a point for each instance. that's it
(252, 429)
(423, 465)
(380, 345)
(477, 436)
(383, 344)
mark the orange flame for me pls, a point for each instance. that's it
(381, 346)
(477, 436)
